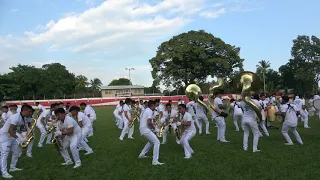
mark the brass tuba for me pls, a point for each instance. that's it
(246, 81)
(193, 92)
(212, 91)
(29, 136)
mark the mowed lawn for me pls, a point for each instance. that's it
(115, 159)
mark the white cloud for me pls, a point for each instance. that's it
(213, 14)
(112, 36)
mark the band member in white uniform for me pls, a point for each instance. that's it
(289, 112)
(264, 108)
(191, 109)
(10, 141)
(126, 117)
(141, 109)
(146, 125)
(42, 124)
(85, 124)
(237, 113)
(118, 113)
(189, 131)
(4, 115)
(300, 105)
(180, 101)
(168, 115)
(40, 107)
(71, 135)
(219, 119)
(90, 112)
(201, 116)
(250, 122)
(12, 110)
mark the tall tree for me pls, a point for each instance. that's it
(8, 87)
(96, 84)
(262, 69)
(191, 57)
(81, 83)
(120, 81)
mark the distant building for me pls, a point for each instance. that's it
(122, 91)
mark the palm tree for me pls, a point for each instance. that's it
(81, 82)
(262, 68)
(95, 84)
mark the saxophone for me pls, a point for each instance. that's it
(178, 130)
(211, 96)
(169, 126)
(29, 136)
(246, 81)
(134, 116)
(57, 141)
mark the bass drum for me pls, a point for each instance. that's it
(271, 113)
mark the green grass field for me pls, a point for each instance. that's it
(115, 159)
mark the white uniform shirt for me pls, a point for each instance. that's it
(69, 122)
(90, 111)
(118, 109)
(86, 122)
(127, 109)
(217, 101)
(4, 116)
(144, 127)
(249, 115)
(200, 110)
(186, 118)
(236, 109)
(191, 108)
(16, 120)
(291, 117)
(298, 103)
(46, 115)
(40, 107)
(9, 113)
(173, 114)
(160, 108)
(19, 110)
(181, 102)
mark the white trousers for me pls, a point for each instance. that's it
(72, 142)
(91, 130)
(304, 118)
(253, 125)
(235, 121)
(184, 142)
(126, 129)
(221, 128)
(44, 135)
(165, 133)
(286, 128)
(84, 132)
(118, 120)
(200, 119)
(6, 146)
(152, 141)
(263, 127)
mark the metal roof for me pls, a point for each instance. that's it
(122, 87)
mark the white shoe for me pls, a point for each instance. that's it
(301, 143)
(67, 163)
(76, 166)
(178, 142)
(187, 157)
(121, 139)
(237, 130)
(288, 144)
(49, 143)
(245, 149)
(40, 146)
(14, 169)
(142, 156)
(7, 176)
(224, 141)
(130, 138)
(90, 152)
(157, 163)
(208, 133)
(257, 150)
(29, 155)
(307, 127)
(164, 143)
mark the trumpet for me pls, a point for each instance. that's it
(212, 91)
(246, 81)
(29, 136)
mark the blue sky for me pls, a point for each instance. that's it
(100, 38)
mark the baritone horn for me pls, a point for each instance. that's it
(212, 91)
(246, 81)
(193, 92)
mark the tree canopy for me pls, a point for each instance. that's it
(120, 81)
(192, 57)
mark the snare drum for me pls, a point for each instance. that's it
(271, 112)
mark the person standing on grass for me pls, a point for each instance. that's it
(10, 141)
(89, 111)
(146, 127)
(70, 133)
(43, 125)
(250, 122)
(201, 116)
(237, 113)
(118, 113)
(126, 117)
(85, 124)
(290, 114)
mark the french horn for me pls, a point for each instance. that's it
(246, 81)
